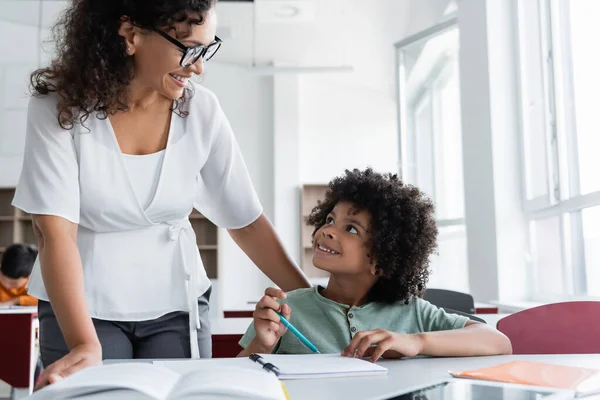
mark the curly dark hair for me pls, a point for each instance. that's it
(402, 235)
(91, 70)
(18, 259)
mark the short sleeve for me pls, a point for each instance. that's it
(49, 180)
(433, 318)
(225, 194)
(248, 336)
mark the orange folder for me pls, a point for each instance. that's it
(538, 374)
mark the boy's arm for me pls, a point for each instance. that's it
(266, 330)
(446, 334)
(12, 302)
(27, 300)
(475, 339)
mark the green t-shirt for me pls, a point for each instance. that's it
(330, 325)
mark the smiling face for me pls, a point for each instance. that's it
(156, 59)
(341, 245)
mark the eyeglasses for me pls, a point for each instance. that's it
(193, 54)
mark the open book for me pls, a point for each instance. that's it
(580, 380)
(206, 381)
(235, 378)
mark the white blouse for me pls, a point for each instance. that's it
(139, 261)
(144, 171)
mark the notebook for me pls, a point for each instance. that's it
(580, 380)
(206, 380)
(285, 366)
(311, 366)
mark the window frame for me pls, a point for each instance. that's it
(563, 199)
(439, 73)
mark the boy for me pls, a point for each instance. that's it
(15, 269)
(374, 235)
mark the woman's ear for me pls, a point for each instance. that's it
(126, 30)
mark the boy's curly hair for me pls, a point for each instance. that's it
(403, 231)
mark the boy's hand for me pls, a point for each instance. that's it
(379, 342)
(12, 302)
(266, 322)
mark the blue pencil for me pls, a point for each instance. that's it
(299, 335)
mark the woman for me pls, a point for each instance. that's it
(120, 147)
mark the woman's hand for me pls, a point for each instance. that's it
(81, 356)
(267, 323)
(379, 342)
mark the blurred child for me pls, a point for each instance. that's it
(374, 235)
(15, 268)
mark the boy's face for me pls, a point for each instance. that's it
(340, 246)
(10, 283)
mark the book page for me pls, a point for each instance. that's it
(151, 380)
(305, 366)
(212, 382)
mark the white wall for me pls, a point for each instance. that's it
(22, 31)
(349, 120)
(16, 61)
(344, 127)
(247, 100)
(287, 162)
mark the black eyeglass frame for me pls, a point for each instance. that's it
(187, 50)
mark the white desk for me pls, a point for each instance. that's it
(404, 376)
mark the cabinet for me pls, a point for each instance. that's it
(310, 194)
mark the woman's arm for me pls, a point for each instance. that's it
(62, 272)
(261, 243)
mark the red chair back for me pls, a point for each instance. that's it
(561, 328)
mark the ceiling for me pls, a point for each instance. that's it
(292, 32)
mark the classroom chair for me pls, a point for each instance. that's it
(464, 314)
(560, 328)
(458, 301)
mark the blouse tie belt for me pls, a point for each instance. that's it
(180, 232)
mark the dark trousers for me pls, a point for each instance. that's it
(165, 337)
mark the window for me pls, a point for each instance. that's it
(559, 83)
(431, 141)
